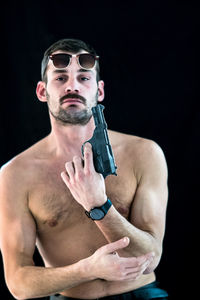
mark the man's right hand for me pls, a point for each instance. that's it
(106, 264)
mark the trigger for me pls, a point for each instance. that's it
(82, 148)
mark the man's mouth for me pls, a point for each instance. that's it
(72, 101)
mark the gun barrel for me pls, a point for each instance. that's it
(98, 115)
(104, 162)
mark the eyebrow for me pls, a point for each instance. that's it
(84, 70)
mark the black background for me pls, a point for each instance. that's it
(148, 58)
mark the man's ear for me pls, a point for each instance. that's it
(41, 91)
(101, 92)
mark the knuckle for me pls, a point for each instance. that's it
(76, 157)
(88, 172)
(79, 176)
(137, 269)
(121, 270)
(72, 182)
(67, 164)
(137, 263)
(123, 274)
(87, 154)
(137, 275)
(116, 267)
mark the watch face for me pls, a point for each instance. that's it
(97, 214)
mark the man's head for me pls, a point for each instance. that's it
(68, 45)
(71, 83)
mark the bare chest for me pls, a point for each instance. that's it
(54, 208)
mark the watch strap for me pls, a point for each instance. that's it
(105, 207)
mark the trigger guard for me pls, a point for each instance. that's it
(82, 147)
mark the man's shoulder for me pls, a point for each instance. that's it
(21, 164)
(140, 149)
(133, 142)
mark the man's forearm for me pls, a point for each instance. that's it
(33, 282)
(114, 226)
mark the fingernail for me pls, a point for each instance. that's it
(151, 259)
(126, 240)
(152, 256)
(88, 145)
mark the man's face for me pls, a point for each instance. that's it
(71, 92)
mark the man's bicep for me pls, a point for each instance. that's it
(149, 205)
(149, 212)
(17, 227)
(17, 234)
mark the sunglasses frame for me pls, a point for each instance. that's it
(96, 57)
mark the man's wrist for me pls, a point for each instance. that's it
(99, 204)
(85, 269)
(99, 212)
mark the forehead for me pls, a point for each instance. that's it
(68, 52)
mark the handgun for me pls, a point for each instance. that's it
(103, 157)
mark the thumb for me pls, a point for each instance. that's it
(120, 244)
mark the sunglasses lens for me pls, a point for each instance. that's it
(86, 61)
(61, 60)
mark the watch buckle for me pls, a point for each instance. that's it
(87, 214)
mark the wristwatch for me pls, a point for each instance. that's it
(98, 213)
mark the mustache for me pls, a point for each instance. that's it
(72, 96)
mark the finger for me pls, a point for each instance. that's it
(145, 258)
(137, 262)
(131, 276)
(88, 158)
(65, 178)
(134, 273)
(144, 267)
(69, 166)
(150, 255)
(132, 262)
(78, 165)
(120, 244)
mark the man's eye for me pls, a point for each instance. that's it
(60, 78)
(84, 78)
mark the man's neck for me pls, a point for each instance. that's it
(68, 139)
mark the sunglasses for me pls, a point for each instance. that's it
(85, 60)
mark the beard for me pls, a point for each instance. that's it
(71, 115)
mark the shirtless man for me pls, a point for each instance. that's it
(45, 191)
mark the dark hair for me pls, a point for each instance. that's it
(71, 45)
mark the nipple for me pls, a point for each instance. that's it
(52, 223)
(123, 210)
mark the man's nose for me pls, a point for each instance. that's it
(72, 86)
